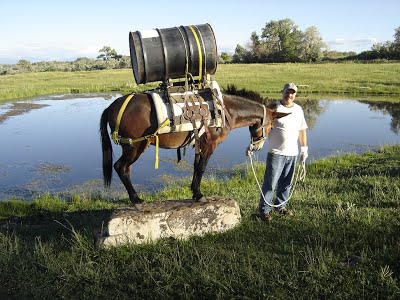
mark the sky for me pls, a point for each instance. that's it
(46, 30)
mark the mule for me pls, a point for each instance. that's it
(242, 108)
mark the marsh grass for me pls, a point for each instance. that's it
(342, 243)
(359, 80)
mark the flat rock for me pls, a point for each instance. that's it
(179, 219)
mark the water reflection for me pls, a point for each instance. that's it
(52, 143)
(312, 109)
(387, 108)
(349, 126)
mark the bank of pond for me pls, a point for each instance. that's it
(342, 242)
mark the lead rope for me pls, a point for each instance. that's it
(300, 175)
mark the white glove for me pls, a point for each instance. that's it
(303, 153)
(249, 150)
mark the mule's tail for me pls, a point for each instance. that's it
(106, 148)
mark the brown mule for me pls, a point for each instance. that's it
(245, 108)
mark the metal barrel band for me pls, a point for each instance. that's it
(200, 55)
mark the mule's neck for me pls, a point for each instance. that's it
(244, 112)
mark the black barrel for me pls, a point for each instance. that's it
(161, 54)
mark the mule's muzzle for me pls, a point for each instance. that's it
(258, 144)
(255, 145)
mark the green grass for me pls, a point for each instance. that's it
(334, 79)
(348, 207)
(342, 79)
(35, 84)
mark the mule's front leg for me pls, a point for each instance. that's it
(200, 164)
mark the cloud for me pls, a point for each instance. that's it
(357, 45)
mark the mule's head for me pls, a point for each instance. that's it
(261, 129)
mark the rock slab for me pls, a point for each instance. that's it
(173, 218)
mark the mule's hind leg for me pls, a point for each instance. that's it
(123, 169)
(200, 164)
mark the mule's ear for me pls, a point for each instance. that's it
(272, 107)
(277, 115)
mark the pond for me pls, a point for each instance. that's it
(52, 144)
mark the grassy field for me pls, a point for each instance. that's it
(351, 79)
(342, 243)
(336, 79)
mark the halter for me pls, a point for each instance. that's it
(257, 144)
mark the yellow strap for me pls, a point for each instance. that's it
(117, 139)
(156, 162)
(163, 124)
(200, 55)
(121, 111)
(155, 135)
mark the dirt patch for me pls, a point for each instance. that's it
(19, 108)
(51, 168)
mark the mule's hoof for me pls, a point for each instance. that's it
(202, 200)
(137, 201)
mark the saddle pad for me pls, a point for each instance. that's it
(164, 111)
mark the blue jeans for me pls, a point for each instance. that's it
(279, 171)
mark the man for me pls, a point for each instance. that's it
(282, 153)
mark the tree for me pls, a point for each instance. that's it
(386, 50)
(225, 58)
(241, 55)
(382, 48)
(396, 43)
(255, 47)
(311, 45)
(24, 64)
(284, 39)
(107, 53)
(336, 55)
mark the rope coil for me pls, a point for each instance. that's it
(300, 175)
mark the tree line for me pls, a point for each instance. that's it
(280, 41)
(107, 59)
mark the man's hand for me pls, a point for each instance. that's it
(249, 150)
(303, 154)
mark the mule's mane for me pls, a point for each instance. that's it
(231, 89)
